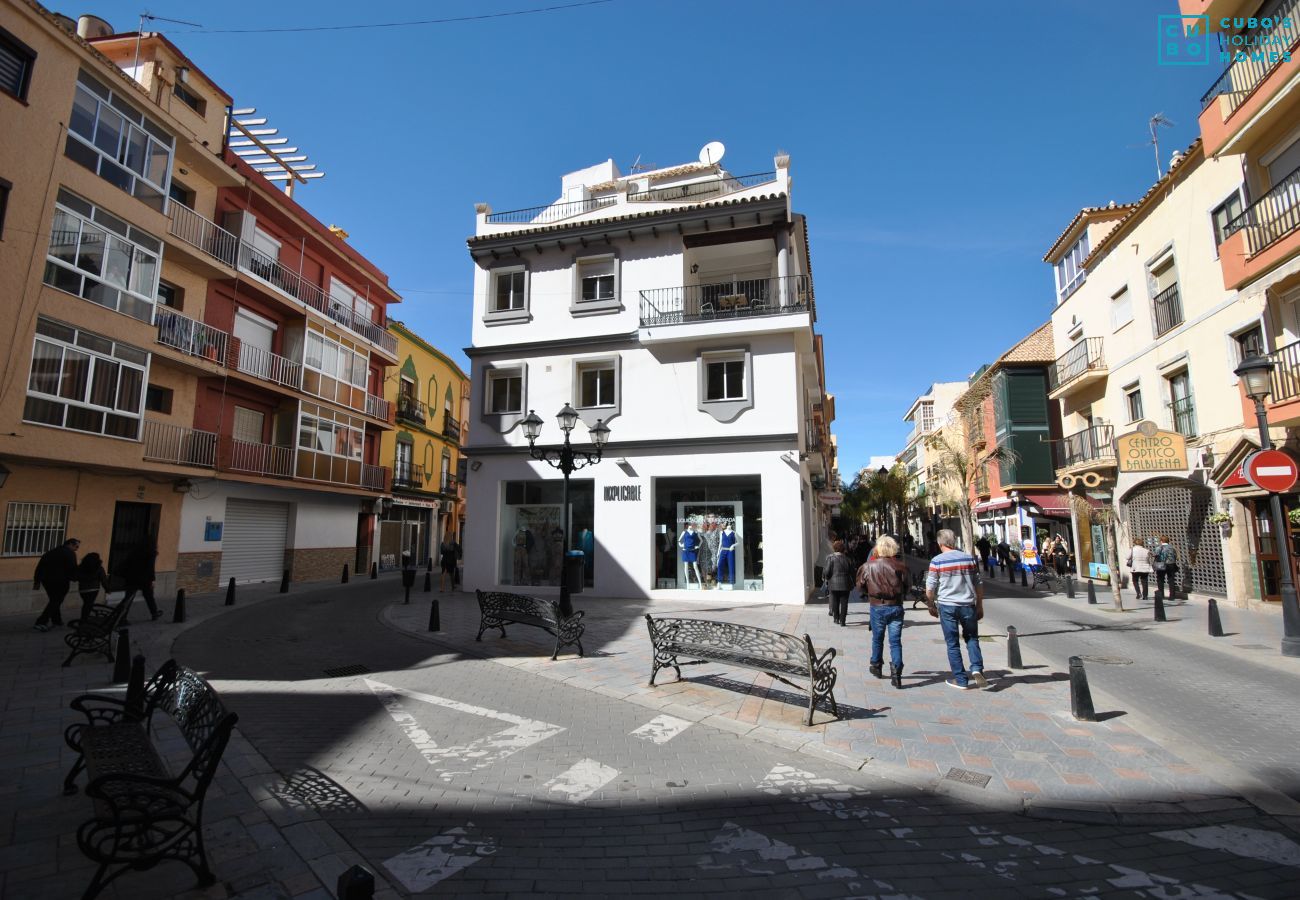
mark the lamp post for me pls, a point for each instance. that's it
(567, 460)
(1256, 373)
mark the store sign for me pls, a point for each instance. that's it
(1151, 450)
(619, 492)
(831, 498)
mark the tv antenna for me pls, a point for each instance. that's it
(1155, 122)
(150, 17)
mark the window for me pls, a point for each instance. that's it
(16, 60)
(125, 148)
(1121, 309)
(96, 255)
(5, 188)
(508, 293)
(181, 194)
(1069, 271)
(1133, 403)
(334, 369)
(724, 380)
(505, 393)
(189, 98)
(1249, 343)
(1167, 306)
(170, 295)
(596, 284)
(85, 382)
(33, 528)
(1182, 411)
(1224, 213)
(331, 433)
(596, 385)
(158, 399)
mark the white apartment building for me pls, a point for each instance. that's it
(677, 306)
(928, 413)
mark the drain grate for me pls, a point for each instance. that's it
(1107, 660)
(344, 671)
(966, 776)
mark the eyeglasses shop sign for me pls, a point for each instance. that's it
(1151, 450)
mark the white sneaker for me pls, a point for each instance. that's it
(978, 678)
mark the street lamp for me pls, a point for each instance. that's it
(1256, 374)
(567, 460)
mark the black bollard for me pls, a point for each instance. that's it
(1216, 624)
(1080, 696)
(356, 884)
(230, 592)
(345, 574)
(435, 616)
(179, 615)
(1092, 593)
(284, 582)
(428, 582)
(122, 661)
(1159, 615)
(1013, 649)
(430, 564)
(1024, 582)
(1011, 574)
(135, 688)
(1069, 587)
(374, 571)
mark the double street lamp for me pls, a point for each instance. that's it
(1256, 374)
(567, 460)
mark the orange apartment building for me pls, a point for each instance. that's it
(192, 358)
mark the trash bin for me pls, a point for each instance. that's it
(575, 571)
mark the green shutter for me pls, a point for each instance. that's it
(1023, 427)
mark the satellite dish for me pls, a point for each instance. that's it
(712, 152)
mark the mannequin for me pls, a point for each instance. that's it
(689, 542)
(727, 556)
(523, 543)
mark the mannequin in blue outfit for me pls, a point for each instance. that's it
(727, 556)
(689, 542)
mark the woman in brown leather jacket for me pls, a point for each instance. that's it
(883, 580)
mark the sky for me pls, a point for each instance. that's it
(937, 155)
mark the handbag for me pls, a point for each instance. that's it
(823, 592)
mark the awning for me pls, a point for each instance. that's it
(1054, 505)
(990, 505)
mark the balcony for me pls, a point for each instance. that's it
(975, 429)
(269, 366)
(179, 446)
(1167, 307)
(269, 460)
(378, 407)
(1076, 368)
(1283, 403)
(1265, 234)
(729, 300)
(190, 336)
(702, 190)
(411, 410)
(451, 428)
(448, 483)
(374, 478)
(1182, 414)
(554, 212)
(1089, 447)
(408, 476)
(230, 251)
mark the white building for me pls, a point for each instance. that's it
(928, 413)
(677, 306)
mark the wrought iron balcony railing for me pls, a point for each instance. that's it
(1089, 445)
(411, 410)
(540, 215)
(409, 476)
(1168, 309)
(1244, 74)
(1085, 356)
(450, 428)
(1286, 373)
(190, 335)
(703, 190)
(1183, 414)
(164, 442)
(1271, 217)
(727, 300)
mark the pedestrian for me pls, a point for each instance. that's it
(984, 548)
(955, 597)
(138, 572)
(1004, 554)
(839, 578)
(55, 572)
(885, 583)
(90, 578)
(1166, 566)
(448, 554)
(1139, 563)
(1060, 555)
(909, 543)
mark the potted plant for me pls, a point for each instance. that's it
(1223, 520)
(1293, 516)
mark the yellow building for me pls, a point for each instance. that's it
(431, 394)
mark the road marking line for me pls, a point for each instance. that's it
(441, 856)
(1254, 843)
(661, 729)
(581, 780)
(466, 758)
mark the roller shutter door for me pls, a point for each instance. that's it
(253, 539)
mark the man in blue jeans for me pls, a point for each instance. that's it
(956, 597)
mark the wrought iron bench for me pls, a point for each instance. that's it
(94, 633)
(774, 653)
(143, 814)
(498, 608)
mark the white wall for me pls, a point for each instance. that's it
(316, 519)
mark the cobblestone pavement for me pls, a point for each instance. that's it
(453, 774)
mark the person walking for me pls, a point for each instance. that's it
(1166, 565)
(839, 578)
(1060, 555)
(984, 548)
(884, 582)
(138, 573)
(448, 556)
(956, 598)
(90, 578)
(1004, 554)
(1139, 563)
(55, 572)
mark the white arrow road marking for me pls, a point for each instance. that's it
(441, 856)
(581, 780)
(464, 759)
(661, 729)
(1253, 843)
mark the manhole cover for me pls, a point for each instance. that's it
(344, 671)
(1253, 646)
(1107, 660)
(966, 776)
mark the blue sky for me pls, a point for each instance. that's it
(936, 155)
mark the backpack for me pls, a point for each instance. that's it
(1166, 558)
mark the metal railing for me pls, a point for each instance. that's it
(553, 212)
(812, 440)
(703, 190)
(1271, 217)
(261, 459)
(1093, 443)
(202, 233)
(448, 482)
(1286, 373)
(1085, 356)
(164, 442)
(408, 475)
(411, 410)
(727, 300)
(450, 427)
(1168, 308)
(190, 335)
(269, 366)
(1183, 414)
(1244, 74)
(373, 477)
(377, 407)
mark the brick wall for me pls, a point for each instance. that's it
(198, 573)
(318, 564)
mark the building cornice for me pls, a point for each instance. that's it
(779, 442)
(593, 342)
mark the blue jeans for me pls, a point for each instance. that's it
(891, 618)
(953, 619)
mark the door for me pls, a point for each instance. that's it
(402, 475)
(1180, 407)
(253, 540)
(1178, 509)
(133, 525)
(256, 337)
(1266, 549)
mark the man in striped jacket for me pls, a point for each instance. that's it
(955, 596)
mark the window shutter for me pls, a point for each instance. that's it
(13, 69)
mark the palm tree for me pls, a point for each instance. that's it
(956, 470)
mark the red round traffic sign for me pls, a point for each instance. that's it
(1271, 470)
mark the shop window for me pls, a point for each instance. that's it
(708, 533)
(726, 384)
(507, 295)
(532, 538)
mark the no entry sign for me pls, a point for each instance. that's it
(1271, 470)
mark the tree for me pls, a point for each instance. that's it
(956, 471)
